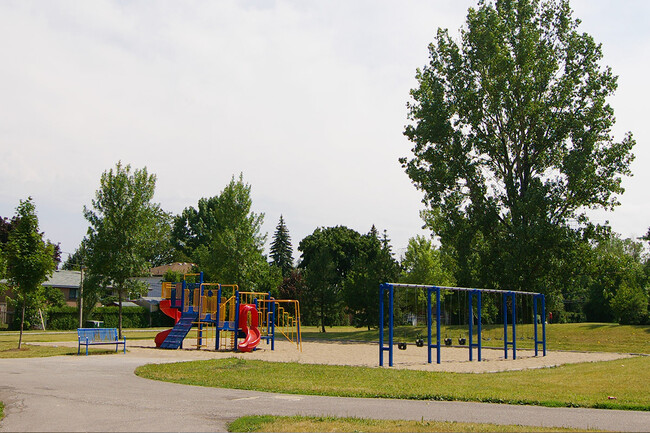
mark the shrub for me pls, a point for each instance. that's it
(630, 305)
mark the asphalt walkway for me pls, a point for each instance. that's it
(101, 393)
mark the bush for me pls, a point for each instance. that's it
(630, 305)
(63, 318)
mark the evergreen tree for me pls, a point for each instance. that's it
(281, 249)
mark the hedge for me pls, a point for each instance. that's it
(65, 318)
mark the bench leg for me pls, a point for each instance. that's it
(86, 346)
(124, 345)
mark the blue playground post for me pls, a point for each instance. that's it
(543, 320)
(471, 344)
(236, 325)
(437, 345)
(383, 288)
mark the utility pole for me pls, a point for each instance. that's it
(81, 294)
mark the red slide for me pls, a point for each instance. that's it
(252, 333)
(166, 307)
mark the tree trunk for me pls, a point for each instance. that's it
(119, 314)
(22, 323)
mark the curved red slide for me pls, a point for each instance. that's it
(166, 307)
(252, 333)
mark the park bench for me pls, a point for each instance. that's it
(98, 336)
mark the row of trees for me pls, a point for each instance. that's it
(512, 144)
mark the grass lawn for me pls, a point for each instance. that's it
(263, 423)
(573, 385)
(10, 350)
(591, 337)
(2, 410)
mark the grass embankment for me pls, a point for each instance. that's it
(263, 423)
(575, 385)
(2, 410)
(590, 337)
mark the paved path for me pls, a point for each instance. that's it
(101, 393)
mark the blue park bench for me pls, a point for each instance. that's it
(97, 336)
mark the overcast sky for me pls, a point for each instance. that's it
(306, 98)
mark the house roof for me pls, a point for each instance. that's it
(64, 279)
(181, 267)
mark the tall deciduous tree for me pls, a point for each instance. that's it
(30, 259)
(512, 140)
(123, 225)
(328, 254)
(223, 236)
(281, 249)
(375, 265)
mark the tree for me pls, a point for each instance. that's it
(512, 140)
(223, 236)
(423, 263)
(616, 265)
(123, 224)
(30, 260)
(375, 265)
(281, 249)
(328, 254)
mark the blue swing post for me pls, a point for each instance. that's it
(430, 290)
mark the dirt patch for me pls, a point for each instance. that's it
(453, 359)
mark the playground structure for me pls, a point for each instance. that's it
(510, 313)
(237, 320)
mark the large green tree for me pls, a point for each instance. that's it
(374, 265)
(512, 140)
(123, 225)
(327, 256)
(281, 249)
(30, 260)
(223, 236)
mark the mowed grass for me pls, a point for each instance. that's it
(574, 385)
(10, 350)
(590, 337)
(264, 423)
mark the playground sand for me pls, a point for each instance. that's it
(453, 359)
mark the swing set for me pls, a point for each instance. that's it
(513, 307)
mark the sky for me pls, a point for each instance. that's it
(307, 99)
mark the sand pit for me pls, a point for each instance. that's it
(454, 359)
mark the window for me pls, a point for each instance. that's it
(72, 294)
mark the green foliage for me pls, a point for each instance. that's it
(171, 276)
(512, 140)
(630, 305)
(375, 265)
(281, 249)
(328, 254)
(616, 264)
(223, 236)
(124, 226)
(30, 260)
(67, 318)
(423, 263)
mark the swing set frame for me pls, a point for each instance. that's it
(509, 319)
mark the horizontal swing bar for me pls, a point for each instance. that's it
(460, 289)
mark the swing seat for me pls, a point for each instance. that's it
(419, 342)
(401, 346)
(447, 341)
(462, 341)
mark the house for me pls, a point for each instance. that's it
(66, 281)
(69, 282)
